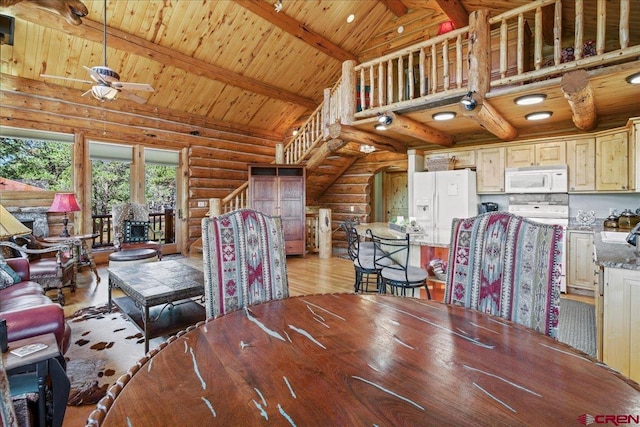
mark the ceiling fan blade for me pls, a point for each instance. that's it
(95, 76)
(133, 86)
(47, 76)
(133, 97)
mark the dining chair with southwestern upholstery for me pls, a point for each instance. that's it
(244, 260)
(507, 266)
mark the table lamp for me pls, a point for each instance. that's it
(10, 226)
(65, 203)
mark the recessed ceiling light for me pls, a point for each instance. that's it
(380, 126)
(445, 115)
(400, 29)
(530, 99)
(634, 79)
(541, 115)
(351, 18)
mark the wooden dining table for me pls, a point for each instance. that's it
(345, 359)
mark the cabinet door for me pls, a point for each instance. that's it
(581, 268)
(551, 153)
(465, 159)
(521, 156)
(621, 326)
(264, 194)
(581, 161)
(490, 170)
(612, 162)
(292, 208)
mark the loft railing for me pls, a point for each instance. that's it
(438, 67)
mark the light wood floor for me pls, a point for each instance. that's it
(309, 275)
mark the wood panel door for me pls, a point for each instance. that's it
(395, 195)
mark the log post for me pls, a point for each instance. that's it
(279, 154)
(324, 233)
(215, 207)
(578, 92)
(348, 92)
(479, 52)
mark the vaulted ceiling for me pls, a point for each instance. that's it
(239, 63)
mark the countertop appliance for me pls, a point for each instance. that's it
(488, 207)
(546, 209)
(440, 196)
(536, 179)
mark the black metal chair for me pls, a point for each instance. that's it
(391, 259)
(361, 253)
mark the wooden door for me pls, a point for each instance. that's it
(395, 195)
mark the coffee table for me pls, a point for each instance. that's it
(158, 296)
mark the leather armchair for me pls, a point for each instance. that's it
(29, 312)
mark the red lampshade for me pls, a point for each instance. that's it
(64, 202)
(445, 27)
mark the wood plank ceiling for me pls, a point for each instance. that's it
(236, 62)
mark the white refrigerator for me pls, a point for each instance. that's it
(440, 196)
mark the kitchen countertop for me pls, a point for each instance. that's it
(615, 255)
(382, 229)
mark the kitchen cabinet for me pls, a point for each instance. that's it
(612, 162)
(280, 190)
(540, 154)
(490, 163)
(581, 267)
(581, 162)
(464, 158)
(621, 324)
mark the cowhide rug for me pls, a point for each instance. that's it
(103, 347)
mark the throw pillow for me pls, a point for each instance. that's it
(8, 275)
(136, 231)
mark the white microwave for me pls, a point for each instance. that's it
(536, 179)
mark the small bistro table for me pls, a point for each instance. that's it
(158, 296)
(82, 254)
(344, 359)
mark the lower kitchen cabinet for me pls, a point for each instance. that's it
(621, 323)
(581, 268)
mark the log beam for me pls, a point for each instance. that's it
(487, 117)
(578, 92)
(322, 152)
(396, 7)
(455, 11)
(415, 129)
(350, 149)
(350, 133)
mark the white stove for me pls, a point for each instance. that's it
(545, 209)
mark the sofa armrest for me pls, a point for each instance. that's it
(20, 266)
(38, 320)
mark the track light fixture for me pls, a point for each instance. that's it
(468, 102)
(383, 121)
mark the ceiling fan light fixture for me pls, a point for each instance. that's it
(634, 79)
(530, 99)
(444, 115)
(540, 115)
(104, 93)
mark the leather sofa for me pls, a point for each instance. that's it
(29, 312)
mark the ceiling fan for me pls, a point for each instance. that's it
(106, 82)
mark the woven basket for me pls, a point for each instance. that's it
(441, 164)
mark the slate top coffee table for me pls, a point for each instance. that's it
(158, 296)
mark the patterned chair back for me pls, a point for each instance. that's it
(244, 260)
(507, 266)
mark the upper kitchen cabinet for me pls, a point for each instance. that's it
(490, 163)
(463, 158)
(581, 162)
(541, 154)
(614, 160)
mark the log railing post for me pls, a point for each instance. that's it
(215, 207)
(348, 92)
(324, 233)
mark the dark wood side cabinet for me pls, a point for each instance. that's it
(280, 190)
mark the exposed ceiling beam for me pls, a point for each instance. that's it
(415, 129)
(490, 119)
(92, 30)
(352, 134)
(578, 92)
(455, 11)
(396, 7)
(296, 29)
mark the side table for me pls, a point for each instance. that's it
(44, 363)
(81, 251)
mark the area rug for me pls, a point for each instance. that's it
(577, 325)
(103, 347)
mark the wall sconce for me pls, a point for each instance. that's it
(468, 102)
(383, 122)
(65, 203)
(365, 148)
